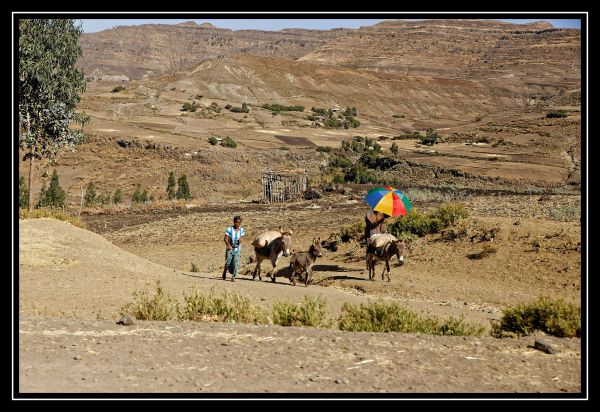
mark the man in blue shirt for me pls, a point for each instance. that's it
(232, 239)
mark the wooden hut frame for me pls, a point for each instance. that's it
(283, 186)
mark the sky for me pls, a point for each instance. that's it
(94, 25)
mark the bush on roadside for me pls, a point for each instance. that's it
(551, 316)
(311, 312)
(384, 317)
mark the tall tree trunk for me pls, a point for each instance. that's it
(30, 207)
(32, 152)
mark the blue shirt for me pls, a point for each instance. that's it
(234, 236)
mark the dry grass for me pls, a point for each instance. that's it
(53, 214)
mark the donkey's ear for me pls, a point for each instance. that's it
(280, 229)
(319, 239)
(291, 232)
(314, 240)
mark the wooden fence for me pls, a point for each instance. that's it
(278, 187)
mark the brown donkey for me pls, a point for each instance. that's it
(304, 261)
(273, 251)
(389, 250)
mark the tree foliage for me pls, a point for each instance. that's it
(171, 186)
(54, 196)
(90, 195)
(183, 189)
(23, 194)
(50, 85)
(118, 196)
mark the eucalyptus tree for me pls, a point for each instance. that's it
(50, 87)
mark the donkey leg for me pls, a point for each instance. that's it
(274, 263)
(387, 265)
(372, 270)
(383, 273)
(308, 275)
(293, 275)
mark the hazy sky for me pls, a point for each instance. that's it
(94, 25)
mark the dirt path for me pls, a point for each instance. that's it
(74, 356)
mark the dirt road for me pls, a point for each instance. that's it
(75, 356)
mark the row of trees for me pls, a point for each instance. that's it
(183, 189)
(54, 195)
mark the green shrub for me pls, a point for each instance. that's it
(144, 196)
(450, 213)
(341, 161)
(90, 195)
(430, 138)
(398, 116)
(382, 317)
(355, 231)
(360, 174)
(183, 189)
(161, 306)
(319, 111)
(136, 197)
(23, 194)
(553, 317)
(282, 108)
(224, 308)
(325, 149)
(171, 186)
(103, 199)
(394, 149)
(243, 109)
(228, 142)
(421, 224)
(560, 113)
(54, 196)
(190, 107)
(118, 89)
(117, 197)
(310, 313)
(213, 140)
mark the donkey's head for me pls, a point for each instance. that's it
(397, 248)
(286, 242)
(315, 248)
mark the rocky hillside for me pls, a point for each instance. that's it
(258, 80)
(132, 52)
(533, 59)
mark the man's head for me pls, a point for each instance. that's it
(237, 221)
(381, 215)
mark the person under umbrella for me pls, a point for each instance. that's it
(385, 202)
(374, 224)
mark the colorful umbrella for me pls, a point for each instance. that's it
(388, 200)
